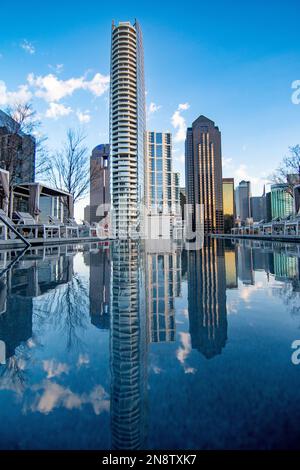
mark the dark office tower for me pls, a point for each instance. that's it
(203, 163)
(128, 345)
(17, 151)
(127, 127)
(207, 299)
(99, 183)
(99, 264)
(242, 200)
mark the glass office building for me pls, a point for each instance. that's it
(281, 200)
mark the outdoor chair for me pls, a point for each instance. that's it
(66, 230)
(29, 228)
(91, 229)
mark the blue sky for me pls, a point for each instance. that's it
(234, 62)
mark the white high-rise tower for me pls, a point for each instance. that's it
(127, 128)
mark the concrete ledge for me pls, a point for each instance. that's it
(278, 238)
(10, 244)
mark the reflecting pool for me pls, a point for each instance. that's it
(131, 346)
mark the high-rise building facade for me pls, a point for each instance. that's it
(203, 162)
(99, 184)
(228, 197)
(17, 151)
(242, 200)
(159, 188)
(281, 201)
(127, 127)
(258, 208)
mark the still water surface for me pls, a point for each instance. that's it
(127, 347)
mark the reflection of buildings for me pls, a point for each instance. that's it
(245, 265)
(207, 299)
(285, 267)
(99, 263)
(231, 267)
(128, 347)
(29, 279)
(163, 283)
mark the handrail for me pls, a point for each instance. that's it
(12, 228)
(13, 262)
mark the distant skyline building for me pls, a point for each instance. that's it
(203, 173)
(228, 196)
(268, 207)
(242, 200)
(258, 208)
(281, 200)
(127, 127)
(99, 183)
(160, 191)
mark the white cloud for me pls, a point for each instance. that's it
(51, 89)
(27, 47)
(227, 162)
(83, 117)
(179, 122)
(98, 85)
(183, 106)
(22, 95)
(242, 172)
(57, 68)
(51, 395)
(180, 158)
(55, 369)
(183, 352)
(57, 110)
(153, 108)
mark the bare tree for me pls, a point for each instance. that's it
(289, 170)
(69, 169)
(23, 151)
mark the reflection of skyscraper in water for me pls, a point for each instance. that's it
(245, 265)
(128, 347)
(163, 282)
(27, 280)
(207, 299)
(99, 264)
(285, 267)
(231, 265)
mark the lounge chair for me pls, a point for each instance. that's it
(29, 228)
(91, 229)
(66, 230)
(10, 229)
(80, 228)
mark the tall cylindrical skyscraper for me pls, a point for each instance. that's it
(127, 128)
